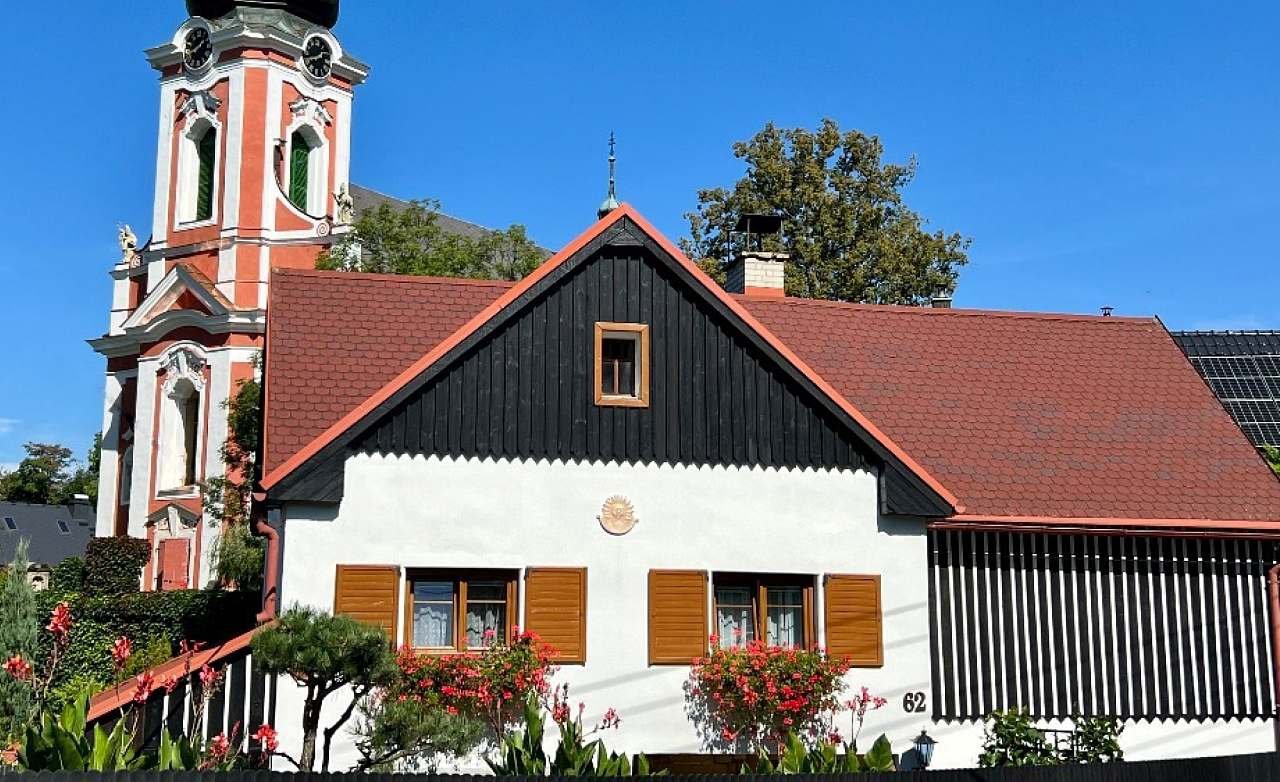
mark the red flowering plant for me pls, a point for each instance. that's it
(489, 684)
(754, 695)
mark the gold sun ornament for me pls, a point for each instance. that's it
(617, 516)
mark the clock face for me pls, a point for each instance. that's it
(317, 56)
(197, 50)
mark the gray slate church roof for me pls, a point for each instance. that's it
(49, 543)
(366, 199)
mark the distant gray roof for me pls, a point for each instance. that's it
(49, 545)
(366, 199)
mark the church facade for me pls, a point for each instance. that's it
(981, 510)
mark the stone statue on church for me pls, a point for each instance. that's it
(129, 255)
(345, 206)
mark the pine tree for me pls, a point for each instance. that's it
(19, 635)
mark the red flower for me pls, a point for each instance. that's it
(268, 736)
(60, 620)
(209, 677)
(145, 684)
(18, 668)
(120, 651)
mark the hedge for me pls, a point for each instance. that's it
(151, 620)
(113, 566)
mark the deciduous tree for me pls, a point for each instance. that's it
(850, 234)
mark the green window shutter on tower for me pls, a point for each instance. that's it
(206, 150)
(299, 152)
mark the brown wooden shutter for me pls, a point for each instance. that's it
(677, 616)
(555, 607)
(854, 625)
(174, 559)
(368, 593)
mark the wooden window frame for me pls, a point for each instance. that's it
(641, 397)
(459, 577)
(760, 584)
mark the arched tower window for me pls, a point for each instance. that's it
(206, 154)
(300, 152)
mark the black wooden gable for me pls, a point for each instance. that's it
(521, 387)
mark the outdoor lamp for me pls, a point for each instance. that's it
(924, 748)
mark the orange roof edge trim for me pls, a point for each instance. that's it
(628, 211)
(962, 520)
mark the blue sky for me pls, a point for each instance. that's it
(1108, 153)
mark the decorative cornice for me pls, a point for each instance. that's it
(201, 104)
(305, 108)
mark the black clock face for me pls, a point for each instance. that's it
(197, 50)
(317, 56)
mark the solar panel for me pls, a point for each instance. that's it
(1243, 369)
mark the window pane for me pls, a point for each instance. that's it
(786, 616)
(300, 158)
(433, 590)
(735, 615)
(487, 590)
(432, 624)
(206, 152)
(617, 366)
(482, 617)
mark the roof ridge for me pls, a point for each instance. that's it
(902, 309)
(391, 277)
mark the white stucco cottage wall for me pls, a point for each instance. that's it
(419, 512)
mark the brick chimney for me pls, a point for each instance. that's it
(757, 273)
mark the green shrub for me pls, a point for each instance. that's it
(1010, 738)
(68, 576)
(1096, 740)
(19, 634)
(155, 621)
(113, 566)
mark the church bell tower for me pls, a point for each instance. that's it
(252, 160)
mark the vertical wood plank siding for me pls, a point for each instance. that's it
(525, 390)
(1136, 627)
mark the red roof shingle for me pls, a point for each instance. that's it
(1017, 414)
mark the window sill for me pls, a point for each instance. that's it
(603, 400)
(187, 226)
(180, 493)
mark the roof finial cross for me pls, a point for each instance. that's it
(611, 201)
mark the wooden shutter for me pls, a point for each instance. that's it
(555, 607)
(368, 593)
(677, 616)
(174, 564)
(853, 616)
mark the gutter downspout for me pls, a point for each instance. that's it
(1273, 589)
(271, 578)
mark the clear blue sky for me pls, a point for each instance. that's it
(1118, 153)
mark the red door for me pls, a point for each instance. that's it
(174, 554)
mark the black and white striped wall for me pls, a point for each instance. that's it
(1144, 628)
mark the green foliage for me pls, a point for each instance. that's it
(19, 635)
(1096, 740)
(113, 566)
(1011, 739)
(64, 744)
(1272, 456)
(240, 555)
(794, 757)
(410, 735)
(67, 576)
(50, 476)
(156, 621)
(850, 235)
(85, 479)
(521, 752)
(323, 654)
(389, 240)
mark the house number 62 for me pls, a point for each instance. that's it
(913, 702)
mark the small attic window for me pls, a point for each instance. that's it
(10, 524)
(63, 528)
(622, 364)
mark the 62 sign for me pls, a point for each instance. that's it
(913, 702)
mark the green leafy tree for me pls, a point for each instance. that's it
(1010, 738)
(324, 654)
(392, 734)
(239, 555)
(1272, 456)
(850, 234)
(49, 475)
(19, 637)
(410, 240)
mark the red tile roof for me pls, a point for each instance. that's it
(1017, 414)
(335, 338)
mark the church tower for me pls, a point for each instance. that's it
(252, 160)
